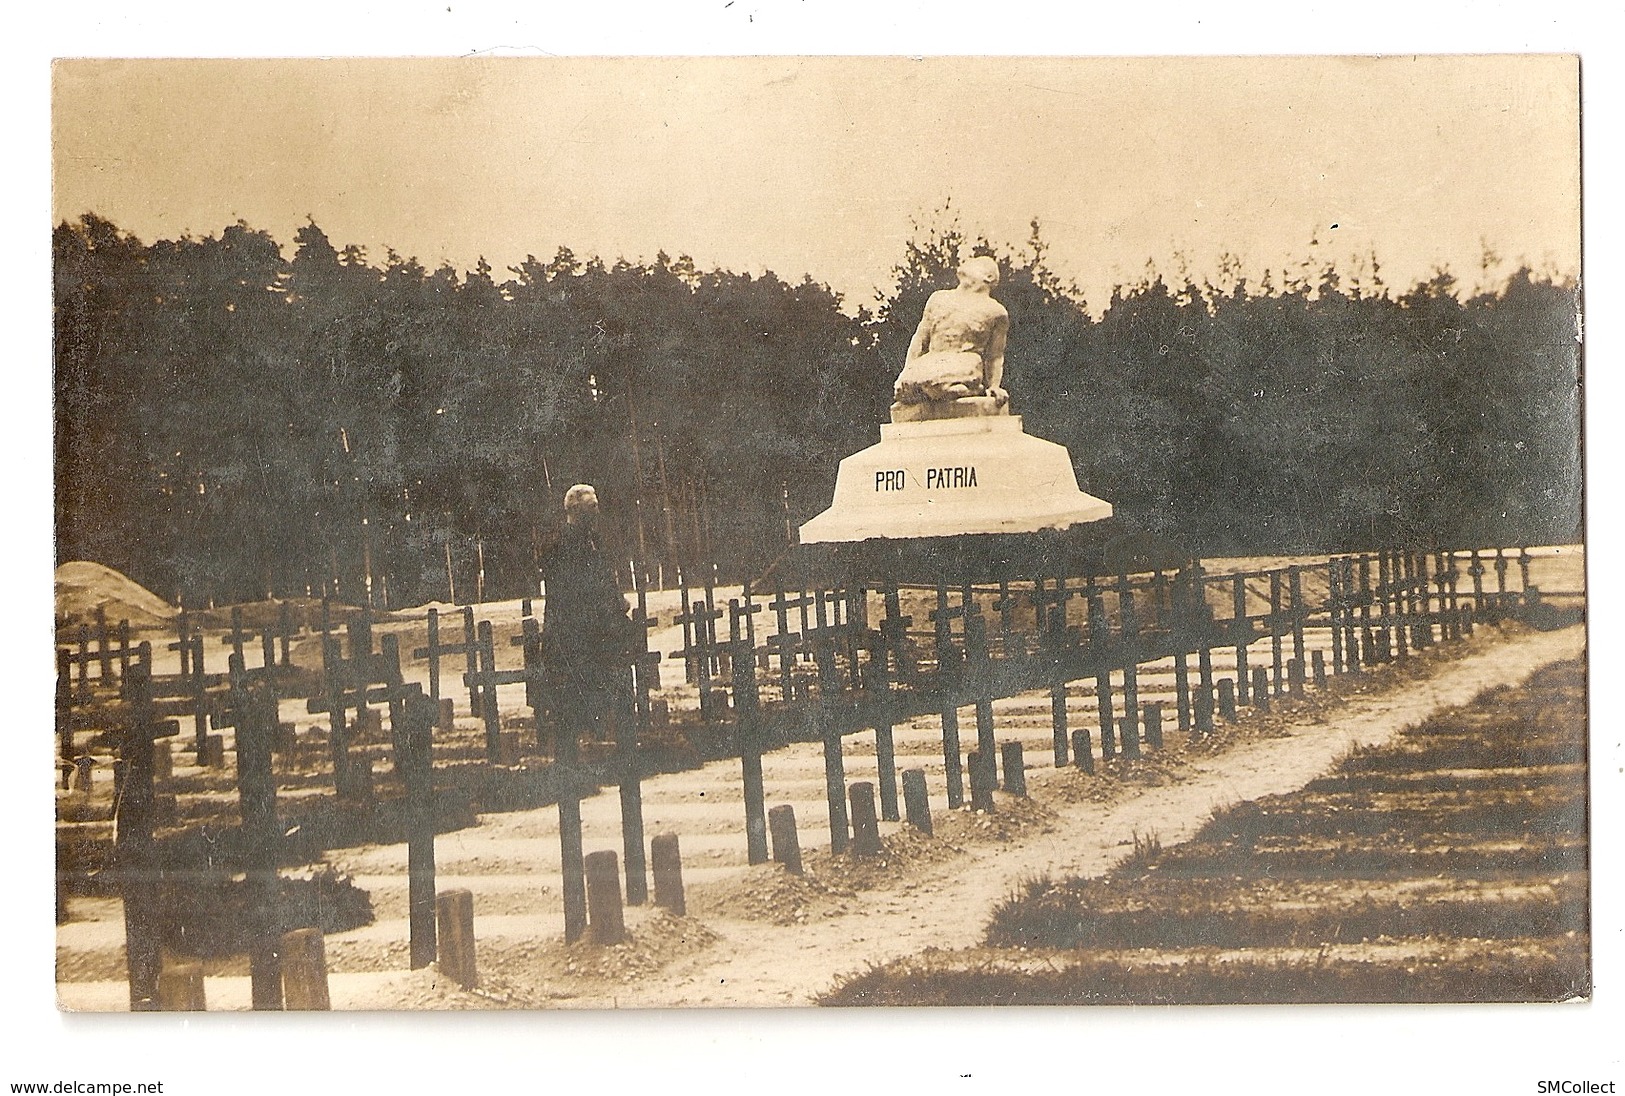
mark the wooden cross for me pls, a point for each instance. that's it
(787, 644)
(134, 849)
(285, 628)
(742, 626)
(485, 680)
(824, 640)
(237, 636)
(645, 663)
(894, 631)
(529, 640)
(699, 622)
(949, 658)
(363, 679)
(699, 638)
(1006, 604)
(183, 644)
(468, 648)
(104, 653)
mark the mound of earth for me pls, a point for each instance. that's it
(82, 587)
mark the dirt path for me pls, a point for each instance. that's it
(762, 964)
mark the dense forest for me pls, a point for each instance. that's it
(234, 423)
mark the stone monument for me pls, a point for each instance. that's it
(954, 459)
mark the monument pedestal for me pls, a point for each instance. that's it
(943, 477)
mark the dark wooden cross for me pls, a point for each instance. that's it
(948, 673)
(742, 631)
(699, 624)
(183, 644)
(979, 661)
(1008, 600)
(1129, 659)
(363, 679)
(468, 648)
(1055, 643)
(253, 708)
(942, 618)
(645, 663)
(414, 754)
(787, 644)
(135, 853)
(104, 654)
(238, 636)
(748, 735)
(894, 631)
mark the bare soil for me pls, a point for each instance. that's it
(1430, 884)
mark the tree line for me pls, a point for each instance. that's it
(233, 423)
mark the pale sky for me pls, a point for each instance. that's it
(821, 166)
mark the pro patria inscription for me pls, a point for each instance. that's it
(897, 479)
(962, 476)
(945, 477)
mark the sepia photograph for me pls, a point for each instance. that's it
(1203, 574)
(1010, 535)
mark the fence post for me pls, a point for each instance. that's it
(916, 801)
(1015, 768)
(1180, 635)
(781, 823)
(1083, 755)
(1227, 698)
(1424, 579)
(1365, 607)
(1204, 652)
(982, 781)
(1151, 719)
(606, 919)
(180, 987)
(667, 858)
(488, 695)
(865, 827)
(1402, 605)
(629, 777)
(454, 916)
(1352, 646)
(1129, 726)
(304, 971)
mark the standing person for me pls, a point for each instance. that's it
(586, 626)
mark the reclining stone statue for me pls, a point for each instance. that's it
(955, 363)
